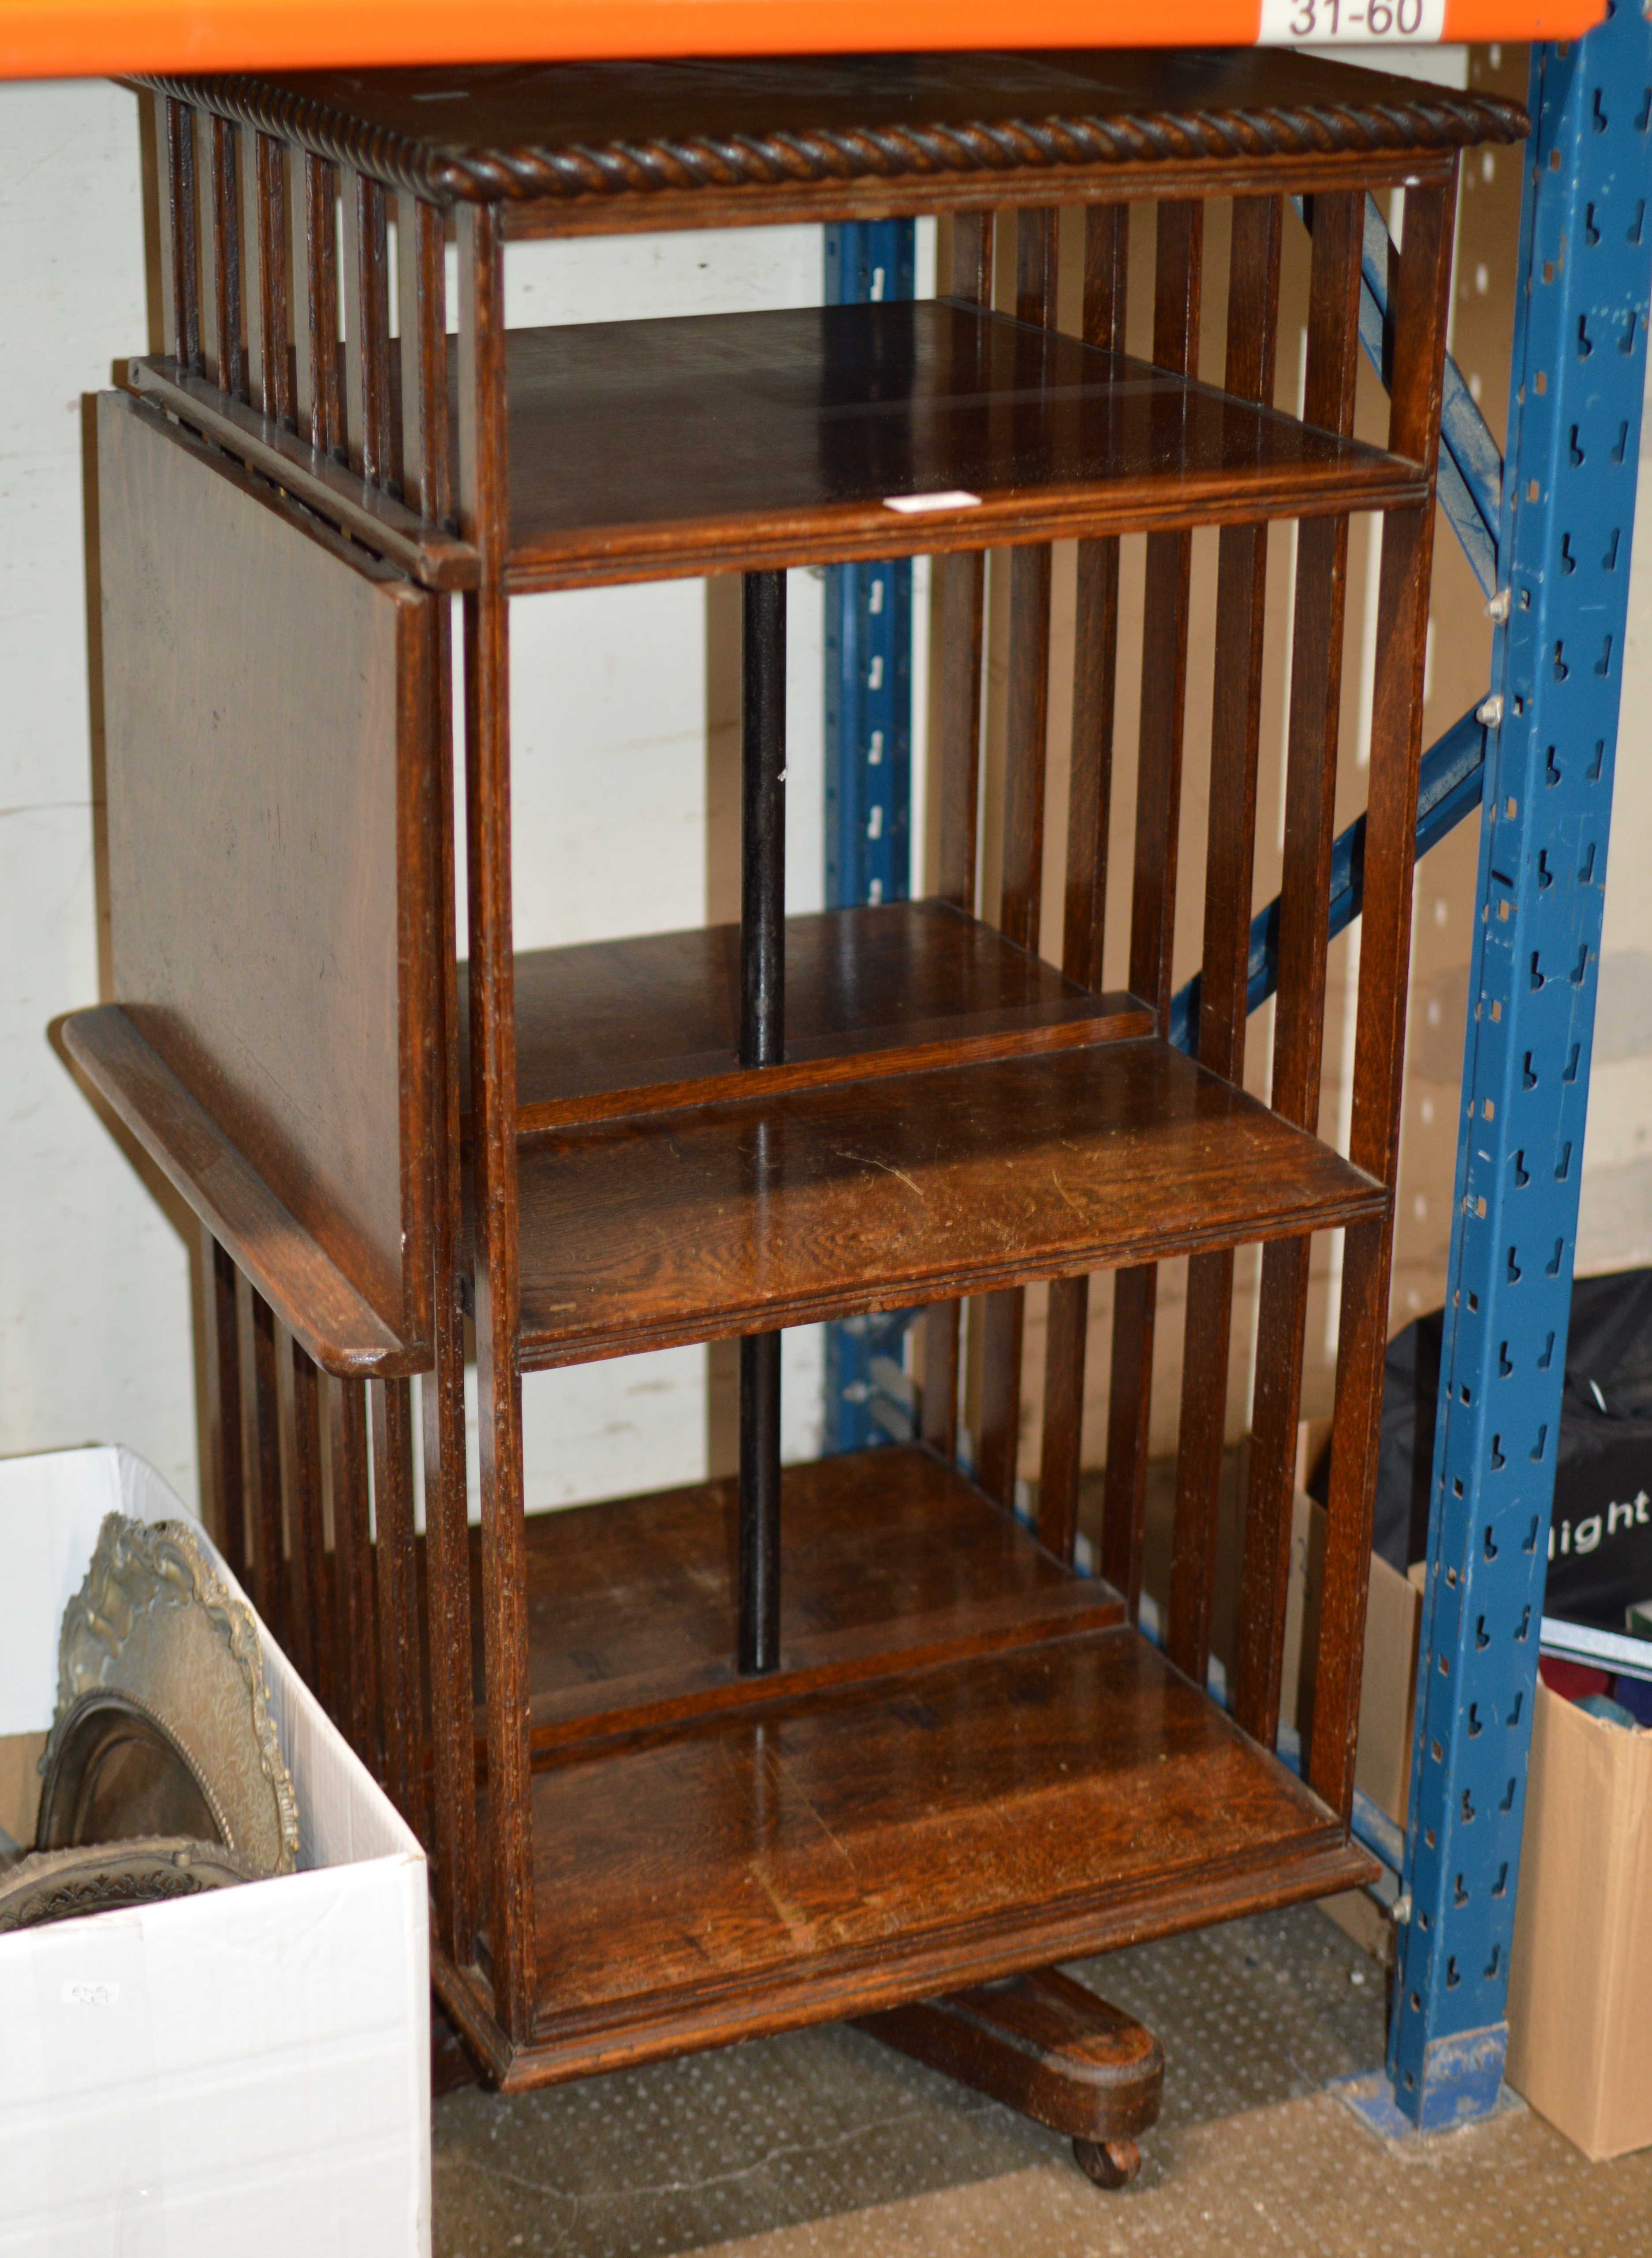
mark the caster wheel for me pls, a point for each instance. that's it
(1109, 2164)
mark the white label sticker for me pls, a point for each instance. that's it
(90, 1995)
(1351, 23)
(912, 505)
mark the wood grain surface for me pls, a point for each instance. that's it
(722, 441)
(891, 1555)
(613, 1027)
(733, 1218)
(807, 1863)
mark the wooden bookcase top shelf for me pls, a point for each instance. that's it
(655, 450)
(744, 441)
(608, 147)
(743, 1217)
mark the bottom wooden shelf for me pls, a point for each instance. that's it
(923, 1798)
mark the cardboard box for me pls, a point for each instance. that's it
(1580, 1971)
(247, 2070)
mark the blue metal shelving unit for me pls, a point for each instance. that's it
(1548, 532)
(1562, 550)
(868, 667)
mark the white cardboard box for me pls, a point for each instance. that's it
(246, 2071)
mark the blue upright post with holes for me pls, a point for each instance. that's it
(868, 659)
(1579, 365)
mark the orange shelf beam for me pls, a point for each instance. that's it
(70, 38)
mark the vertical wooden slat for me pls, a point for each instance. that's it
(160, 113)
(269, 1565)
(1177, 278)
(427, 484)
(252, 265)
(222, 1345)
(483, 507)
(1004, 1314)
(220, 226)
(1420, 304)
(395, 1556)
(1253, 293)
(367, 330)
(1298, 1023)
(183, 235)
(309, 1578)
(274, 201)
(317, 407)
(1089, 800)
(357, 1678)
(960, 591)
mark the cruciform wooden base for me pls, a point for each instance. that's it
(1043, 2045)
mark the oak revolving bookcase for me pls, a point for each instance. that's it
(826, 1743)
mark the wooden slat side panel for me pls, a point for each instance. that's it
(309, 1564)
(1310, 798)
(483, 508)
(274, 684)
(358, 1673)
(960, 595)
(1177, 277)
(262, 1397)
(400, 1720)
(1253, 293)
(1421, 298)
(1026, 725)
(221, 1352)
(367, 289)
(1089, 806)
(271, 167)
(183, 323)
(426, 475)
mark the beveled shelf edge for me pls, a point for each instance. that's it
(847, 533)
(890, 159)
(425, 552)
(324, 1313)
(911, 1288)
(1112, 1017)
(1321, 1863)
(861, 1658)
(828, 202)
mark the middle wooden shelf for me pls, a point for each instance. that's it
(951, 1115)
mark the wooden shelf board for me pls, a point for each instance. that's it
(738, 442)
(617, 1028)
(742, 1217)
(891, 1556)
(876, 1841)
(306, 1289)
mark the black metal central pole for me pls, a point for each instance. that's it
(762, 1042)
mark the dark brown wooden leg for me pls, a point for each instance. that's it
(1043, 2044)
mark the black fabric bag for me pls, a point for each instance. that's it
(1600, 1542)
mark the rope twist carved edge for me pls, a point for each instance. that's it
(888, 152)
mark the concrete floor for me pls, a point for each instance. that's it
(823, 2144)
